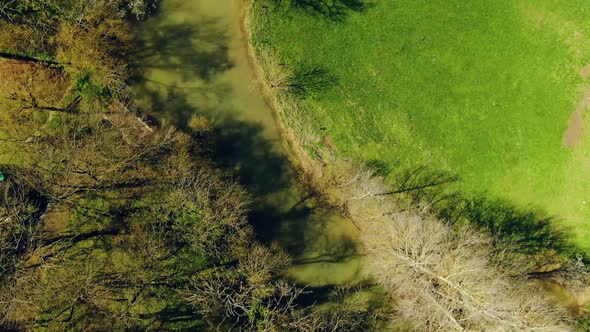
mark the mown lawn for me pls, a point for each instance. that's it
(483, 89)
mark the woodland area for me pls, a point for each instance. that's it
(107, 223)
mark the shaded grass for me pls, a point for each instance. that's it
(483, 90)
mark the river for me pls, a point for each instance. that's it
(195, 62)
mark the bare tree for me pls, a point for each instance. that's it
(263, 264)
(440, 277)
(140, 8)
(442, 280)
(205, 210)
(228, 300)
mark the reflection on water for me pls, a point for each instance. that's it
(194, 61)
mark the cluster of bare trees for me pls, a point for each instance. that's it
(107, 223)
(64, 169)
(136, 209)
(89, 39)
(103, 220)
(441, 277)
(253, 298)
(217, 208)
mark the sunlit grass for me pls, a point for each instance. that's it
(482, 89)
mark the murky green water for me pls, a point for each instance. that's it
(195, 62)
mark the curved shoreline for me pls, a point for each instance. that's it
(312, 170)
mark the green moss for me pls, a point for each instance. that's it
(90, 91)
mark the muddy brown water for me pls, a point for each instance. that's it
(194, 61)
(576, 302)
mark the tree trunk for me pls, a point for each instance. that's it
(26, 58)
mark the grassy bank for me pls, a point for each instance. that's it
(409, 251)
(484, 91)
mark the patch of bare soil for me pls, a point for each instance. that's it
(575, 128)
(585, 71)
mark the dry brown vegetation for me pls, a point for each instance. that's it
(40, 87)
(441, 278)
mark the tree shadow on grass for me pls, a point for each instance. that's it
(311, 79)
(419, 185)
(333, 10)
(526, 231)
(521, 230)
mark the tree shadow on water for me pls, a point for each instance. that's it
(176, 65)
(283, 209)
(176, 105)
(175, 79)
(342, 250)
(242, 149)
(198, 49)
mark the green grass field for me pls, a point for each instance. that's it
(484, 89)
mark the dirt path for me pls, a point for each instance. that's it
(575, 128)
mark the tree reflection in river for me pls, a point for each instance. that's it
(198, 65)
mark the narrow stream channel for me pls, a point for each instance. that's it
(195, 62)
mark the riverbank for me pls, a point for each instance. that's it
(357, 189)
(311, 168)
(285, 107)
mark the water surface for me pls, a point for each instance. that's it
(195, 62)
